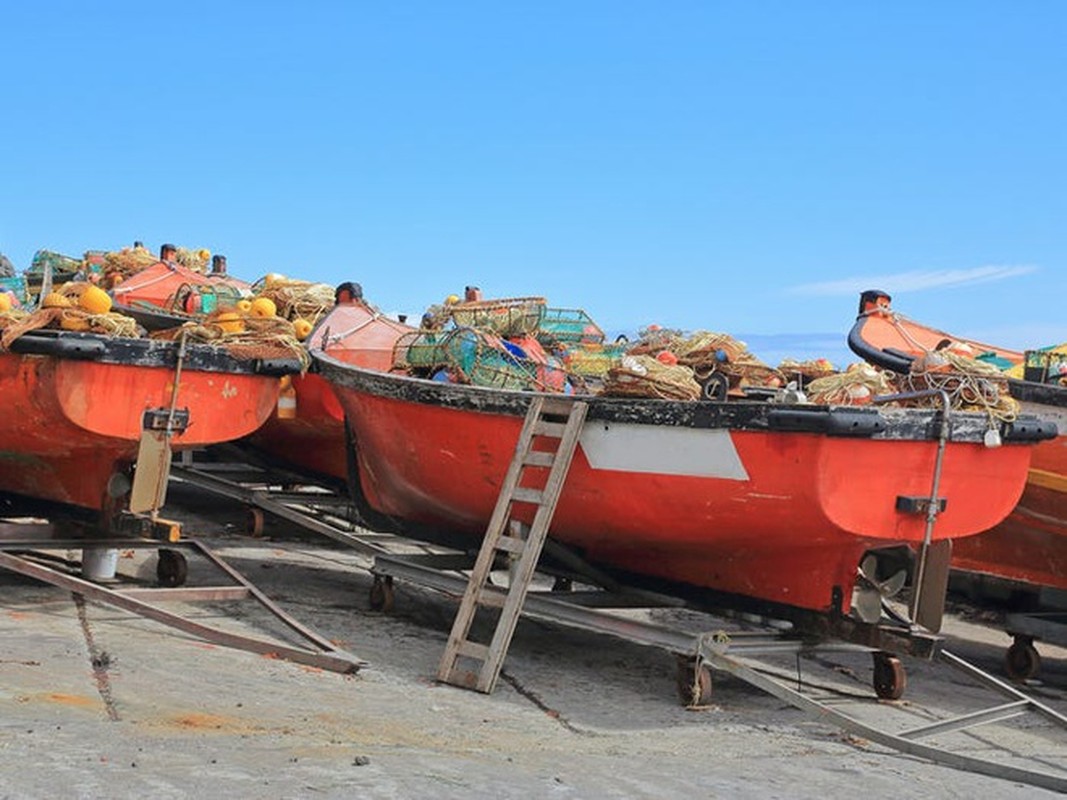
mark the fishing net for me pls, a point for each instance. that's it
(971, 385)
(126, 262)
(296, 299)
(644, 376)
(653, 340)
(853, 387)
(244, 338)
(517, 316)
(803, 372)
(196, 260)
(69, 319)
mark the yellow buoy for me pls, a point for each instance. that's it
(5, 302)
(95, 300)
(55, 300)
(273, 279)
(244, 306)
(230, 322)
(263, 307)
(302, 328)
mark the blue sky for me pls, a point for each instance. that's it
(744, 167)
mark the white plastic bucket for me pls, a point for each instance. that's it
(99, 563)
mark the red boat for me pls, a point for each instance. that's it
(770, 506)
(311, 439)
(1030, 546)
(76, 404)
(175, 288)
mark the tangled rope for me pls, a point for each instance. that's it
(297, 299)
(69, 319)
(853, 387)
(971, 385)
(263, 338)
(644, 376)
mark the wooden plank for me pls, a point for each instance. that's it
(552, 429)
(523, 494)
(539, 458)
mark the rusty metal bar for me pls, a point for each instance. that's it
(335, 661)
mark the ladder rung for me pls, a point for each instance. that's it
(556, 405)
(473, 650)
(490, 598)
(524, 495)
(510, 544)
(553, 429)
(539, 458)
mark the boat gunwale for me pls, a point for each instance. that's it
(884, 422)
(125, 351)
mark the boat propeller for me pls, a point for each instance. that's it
(870, 592)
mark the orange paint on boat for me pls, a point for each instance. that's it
(314, 440)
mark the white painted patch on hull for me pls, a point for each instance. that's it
(662, 450)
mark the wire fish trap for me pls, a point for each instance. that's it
(516, 316)
(644, 376)
(570, 326)
(591, 360)
(464, 355)
(653, 340)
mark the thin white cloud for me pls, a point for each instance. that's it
(913, 280)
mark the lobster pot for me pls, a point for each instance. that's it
(592, 360)
(497, 370)
(570, 325)
(517, 316)
(420, 350)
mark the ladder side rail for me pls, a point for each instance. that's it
(535, 539)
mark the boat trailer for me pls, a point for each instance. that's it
(731, 648)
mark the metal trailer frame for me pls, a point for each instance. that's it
(735, 653)
(23, 551)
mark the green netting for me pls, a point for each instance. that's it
(470, 356)
(60, 263)
(571, 325)
(16, 285)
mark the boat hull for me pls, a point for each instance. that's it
(699, 494)
(80, 419)
(312, 441)
(1030, 546)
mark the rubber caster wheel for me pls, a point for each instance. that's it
(890, 679)
(254, 523)
(694, 682)
(171, 569)
(1022, 661)
(382, 597)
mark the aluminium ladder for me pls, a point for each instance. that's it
(547, 419)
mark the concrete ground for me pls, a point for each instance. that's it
(95, 702)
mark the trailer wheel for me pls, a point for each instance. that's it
(890, 678)
(1022, 660)
(171, 568)
(382, 597)
(254, 522)
(694, 682)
